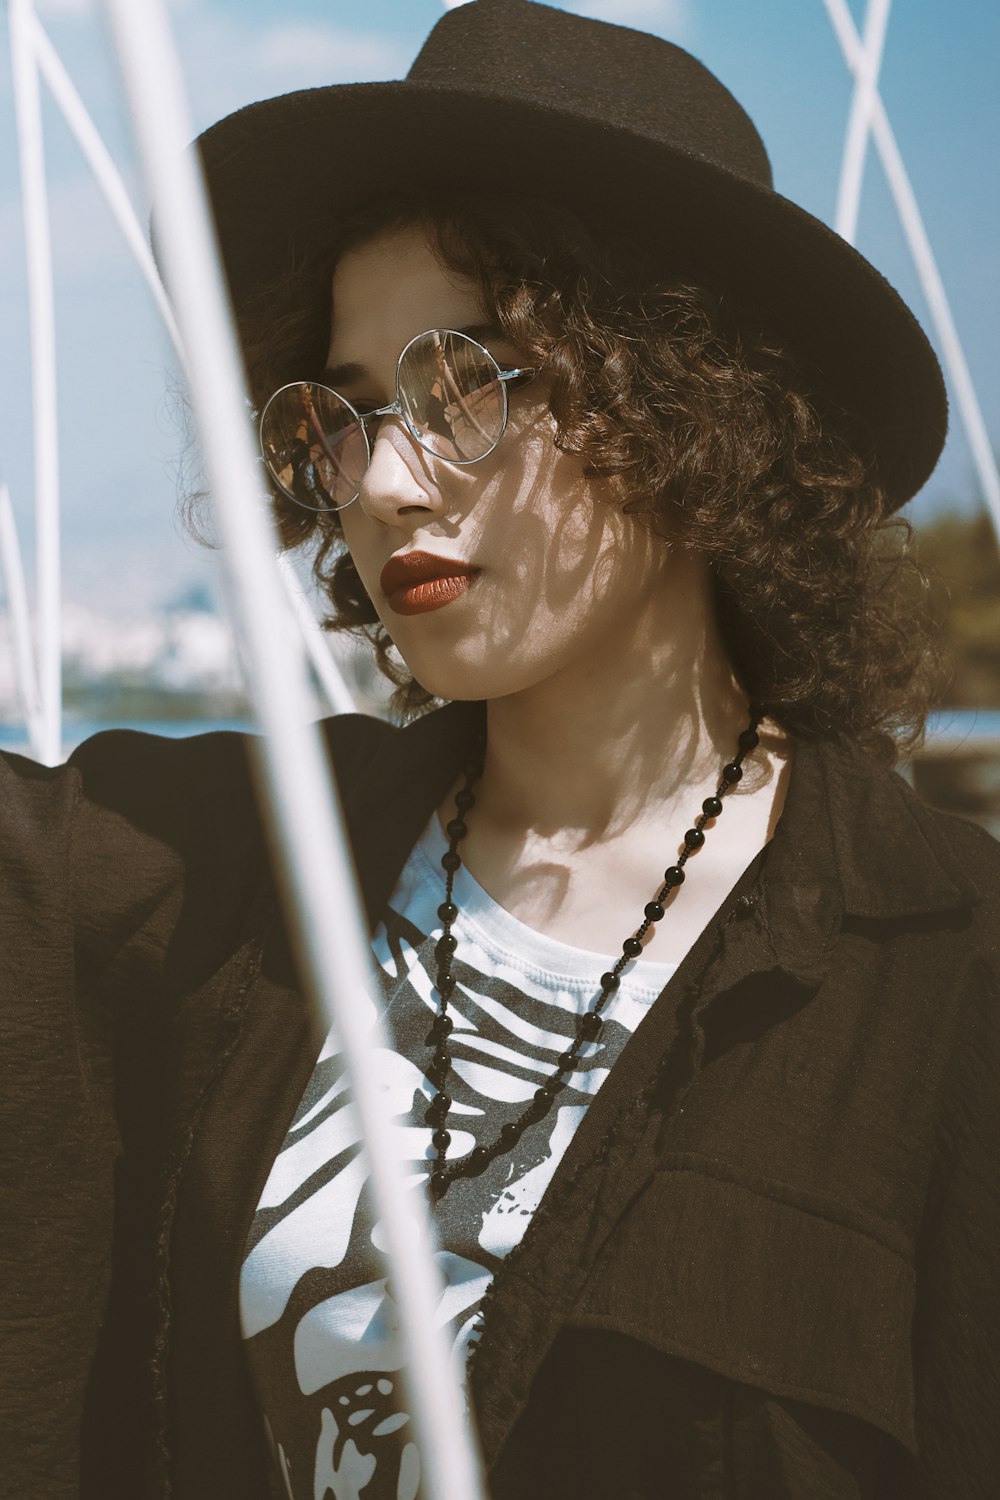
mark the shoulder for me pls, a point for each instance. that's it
(906, 875)
(354, 741)
(196, 793)
(37, 809)
(978, 854)
(180, 792)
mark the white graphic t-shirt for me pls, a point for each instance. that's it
(316, 1309)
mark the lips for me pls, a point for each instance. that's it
(414, 582)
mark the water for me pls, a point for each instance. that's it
(950, 729)
(75, 731)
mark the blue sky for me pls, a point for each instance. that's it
(119, 436)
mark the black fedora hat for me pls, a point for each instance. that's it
(522, 96)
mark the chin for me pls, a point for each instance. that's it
(448, 677)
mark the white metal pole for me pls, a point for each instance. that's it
(38, 248)
(957, 368)
(323, 908)
(859, 122)
(20, 621)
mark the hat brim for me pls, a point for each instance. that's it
(276, 167)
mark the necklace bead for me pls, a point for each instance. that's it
(589, 1026)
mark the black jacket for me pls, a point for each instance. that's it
(766, 1266)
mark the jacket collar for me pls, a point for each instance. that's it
(852, 840)
(408, 777)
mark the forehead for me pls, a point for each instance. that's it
(389, 289)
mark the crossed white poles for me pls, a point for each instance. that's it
(300, 805)
(864, 58)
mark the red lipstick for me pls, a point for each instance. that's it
(415, 582)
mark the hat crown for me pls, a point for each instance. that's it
(517, 50)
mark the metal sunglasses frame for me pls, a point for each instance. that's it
(395, 409)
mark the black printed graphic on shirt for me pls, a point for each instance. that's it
(318, 1314)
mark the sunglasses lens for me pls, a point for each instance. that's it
(314, 446)
(449, 392)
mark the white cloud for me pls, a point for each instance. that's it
(324, 54)
(671, 18)
(261, 62)
(48, 8)
(58, 8)
(85, 239)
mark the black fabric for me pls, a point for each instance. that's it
(765, 1267)
(629, 130)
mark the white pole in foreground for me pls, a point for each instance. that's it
(20, 621)
(307, 834)
(859, 123)
(962, 387)
(38, 249)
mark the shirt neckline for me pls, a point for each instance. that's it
(507, 939)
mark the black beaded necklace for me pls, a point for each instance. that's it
(588, 1026)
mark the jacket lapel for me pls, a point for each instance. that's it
(387, 808)
(782, 919)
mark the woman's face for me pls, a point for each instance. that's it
(557, 579)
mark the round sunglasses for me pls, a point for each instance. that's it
(450, 393)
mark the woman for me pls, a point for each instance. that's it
(690, 1000)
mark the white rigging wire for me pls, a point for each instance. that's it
(116, 195)
(47, 738)
(106, 174)
(860, 119)
(307, 833)
(955, 363)
(328, 674)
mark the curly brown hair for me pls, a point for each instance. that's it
(715, 431)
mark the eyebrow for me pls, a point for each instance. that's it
(346, 374)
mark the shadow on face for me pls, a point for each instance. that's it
(567, 586)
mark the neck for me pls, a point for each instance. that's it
(651, 714)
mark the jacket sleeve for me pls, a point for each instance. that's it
(957, 1324)
(101, 861)
(56, 1158)
(126, 879)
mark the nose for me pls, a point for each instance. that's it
(399, 480)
